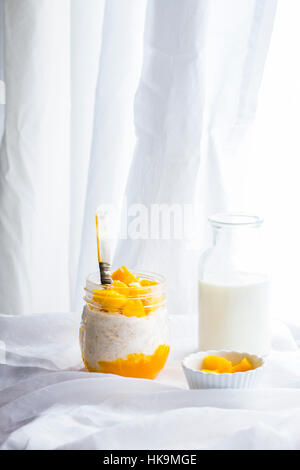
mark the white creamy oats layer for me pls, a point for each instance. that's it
(109, 336)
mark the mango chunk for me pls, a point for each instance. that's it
(124, 275)
(120, 287)
(243, 366)
(146, 283)
(119, 284)
(135, 290)
(133, 308)
(151, 303)
(136, 364)
(210, 371)
(129, 295)
(215, 363)
(109, 299)
(220, 365)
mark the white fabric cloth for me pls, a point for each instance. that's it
(196, 99)
(49, 402)
(34, 157)
(2, 85)
(194, 67)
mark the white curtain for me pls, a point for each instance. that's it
(202, 68)
(35, 157)
(2, 86)
(147, 99)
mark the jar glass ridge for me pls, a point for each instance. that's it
(124, 329)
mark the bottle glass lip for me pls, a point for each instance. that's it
(235, 219)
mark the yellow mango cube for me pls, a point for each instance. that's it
(120, 287)
(146, 283)
(119, 284)
(124, 275)
(109, 299)
(243, 366)
(151, 303)
(135, 290)
(215, 363)
(133, 308)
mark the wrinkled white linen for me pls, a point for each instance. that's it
(49, 402)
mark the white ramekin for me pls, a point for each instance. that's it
(198, 379)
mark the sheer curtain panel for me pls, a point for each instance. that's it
(122, 102)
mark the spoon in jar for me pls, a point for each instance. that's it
(103, 246)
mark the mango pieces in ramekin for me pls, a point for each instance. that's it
(220, 365)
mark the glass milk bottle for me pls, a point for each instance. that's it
(234, 287)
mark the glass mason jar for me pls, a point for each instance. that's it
(234, 287)
(124, 330)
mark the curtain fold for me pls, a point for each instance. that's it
(113, 133)
(2, 83)
(35, 157)
(202, 69)
(86, 43)
(129, 102)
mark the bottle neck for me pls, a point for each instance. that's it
(239, 245)
(237, 236)
(238, 250)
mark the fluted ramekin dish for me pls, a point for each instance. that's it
(198, 379)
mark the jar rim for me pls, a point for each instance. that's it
(93, 283)
(235, 219)
(148, 293)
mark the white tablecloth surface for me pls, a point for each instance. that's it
(49, 402)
